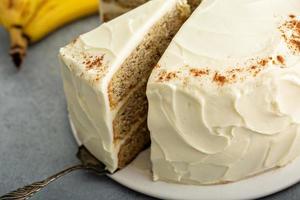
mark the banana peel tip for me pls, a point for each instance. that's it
(17, 59)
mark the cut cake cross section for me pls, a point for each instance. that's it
(105, 73)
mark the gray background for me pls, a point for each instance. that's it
(35, 137)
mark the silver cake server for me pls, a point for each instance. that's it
(88, 162)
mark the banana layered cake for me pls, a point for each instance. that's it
(224, 100)
(105, 73)
(223, 92)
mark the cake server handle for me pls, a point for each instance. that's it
(28, 191)
(88, 163)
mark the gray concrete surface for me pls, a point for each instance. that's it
(35, 137)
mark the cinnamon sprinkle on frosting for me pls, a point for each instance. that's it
(219, 79)
(280, 59)
(292, 40)
(96, 62)
(292, 16)
(166, 76)
(199, 72)
(233, 74)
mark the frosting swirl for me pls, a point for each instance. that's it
(224, 98)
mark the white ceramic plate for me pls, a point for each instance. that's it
(137, 176)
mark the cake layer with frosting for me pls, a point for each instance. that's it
(91, 61)
(224, 100)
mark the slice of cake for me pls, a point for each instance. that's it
(110, 9)
(224, 100)
(105, 73)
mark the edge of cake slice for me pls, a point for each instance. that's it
(109, 9)
(105, 73)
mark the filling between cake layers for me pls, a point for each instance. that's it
(127, 89)
(133, 145)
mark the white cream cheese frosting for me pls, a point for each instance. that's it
(224, 100)
(88, 64)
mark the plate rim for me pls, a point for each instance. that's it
(191, 192)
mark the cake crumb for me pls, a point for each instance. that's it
(75, 40)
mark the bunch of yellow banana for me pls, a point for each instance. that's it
(28, 21)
